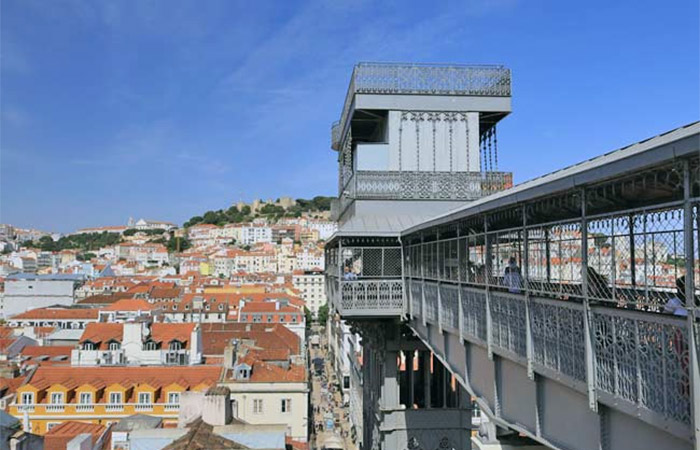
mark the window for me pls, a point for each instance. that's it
(346, 382)
(85, 398)
(281, 318)
(56, 398)
(174, 398)
(257, 406)
(114, 345)
(286, 405)
(150, 345)
(115, 397)
(144, 398)
(175, 345)
(87, 345)
(51, 425)
(221, 307)
(27, 398)
(294, 318)
(269, 318)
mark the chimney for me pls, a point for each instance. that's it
(216, 410)
(231, 354)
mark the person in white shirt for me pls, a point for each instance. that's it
(512, 277)
(676, 304)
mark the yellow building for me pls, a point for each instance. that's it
(104, 395)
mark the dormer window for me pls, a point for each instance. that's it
(27, 398)
(242, 372)
(89, 345)
(114, 345)
(150, 345)
(175, 345)
(56, 398)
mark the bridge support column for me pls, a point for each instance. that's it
(410, 379)
(425, 368)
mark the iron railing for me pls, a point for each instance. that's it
(421, 79)
(421, 185)
(366, 298)
(641, 360)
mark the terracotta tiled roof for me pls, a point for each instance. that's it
(201, 436)
(166, 332)
(263, 372)
(188, 377)
(59, 436)
(6, 332)
(129, 304)
(158, 292)
(102, 333)
(104, 299)
(57, 314)
(216, 336)
(47, 350)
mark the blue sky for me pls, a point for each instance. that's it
(165, 109)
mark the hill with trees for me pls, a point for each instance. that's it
(270, 211)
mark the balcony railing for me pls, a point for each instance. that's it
(84, 407)
(55, 408)
(143, 407)
(415, 185)
(114, 407)
(367, 298)
(421, 79)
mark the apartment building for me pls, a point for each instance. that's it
(143, 343)
(27, 291)
(312, 285)
(104, 395)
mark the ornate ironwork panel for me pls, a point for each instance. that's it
(416, 288)
(558, 337)
(474, 313)
(449, 300)
(419, 185)
(508, 322)
(431, 301)
(643, 359)
(371, 295)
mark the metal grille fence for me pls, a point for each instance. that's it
(643, 359)
(508, 323)
(449, 299)
(474, 313)
(431, 301)
(558, 337)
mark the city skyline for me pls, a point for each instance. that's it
(131, 110)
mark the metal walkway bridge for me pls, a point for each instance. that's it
(567, 306)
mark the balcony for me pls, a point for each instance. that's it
(365, 281)
(55, 408)
(114, 407)
(171, 407)
(84, 407)
(25, 408)
(143, 407)
(421, 79)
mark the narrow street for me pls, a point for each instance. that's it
(330, 418)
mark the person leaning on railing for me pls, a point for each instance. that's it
(349, 275)
(676, 305)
